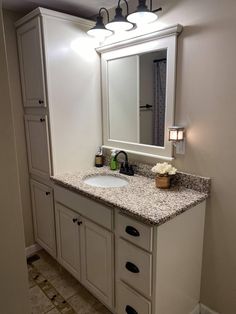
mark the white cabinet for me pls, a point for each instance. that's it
(31, 64)
(60, 76)
(84, 227)
(97, 260)
(37, 137)
(43, 216)
(68, 239)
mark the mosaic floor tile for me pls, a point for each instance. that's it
(39, 302)
(66, 285)
(53, 290)
(53, 311)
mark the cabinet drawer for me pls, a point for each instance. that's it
(134, 231)
(134, 267)
(95, 211)
(130, 302)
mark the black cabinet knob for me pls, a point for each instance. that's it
(130, 310)
(132, 268)
(79, 223)
(47, 193)
(41, 101)
(74, 220)
(132, 231)
(42, 119)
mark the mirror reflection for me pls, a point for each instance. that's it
(137, 98)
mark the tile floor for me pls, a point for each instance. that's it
(53, 290)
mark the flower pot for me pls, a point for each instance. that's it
(163, 182)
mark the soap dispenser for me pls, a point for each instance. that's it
(113, 161)
(99, 158)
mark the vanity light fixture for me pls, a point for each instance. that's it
(99, 30)
(177, 137)
(120, 22)
(143, 15)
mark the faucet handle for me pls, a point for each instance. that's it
(131, 170)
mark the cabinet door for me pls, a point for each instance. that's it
(97, 261)
(68, 240)
(37, 137)
(43, 216)
(31, 64)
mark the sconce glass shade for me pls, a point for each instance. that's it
(176, 133)
(143, 15)
(99, 30)
(119, 23)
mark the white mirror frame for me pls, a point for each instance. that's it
(158, 40)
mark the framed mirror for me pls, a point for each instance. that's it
(138, 89)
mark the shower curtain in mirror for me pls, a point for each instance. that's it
(159, 102)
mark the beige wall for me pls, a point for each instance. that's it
(18, 116)
(206, 104)
(13, 278)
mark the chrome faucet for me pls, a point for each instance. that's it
(125, 168)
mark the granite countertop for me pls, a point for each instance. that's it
(140, 198)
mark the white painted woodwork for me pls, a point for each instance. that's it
(89, 208)
(37, 137)
(141, 281)
(31, 64)
(144, 240)
(125, 296)
(123, 94)
(165, 39)
(68, 239)
(168, 257)
(97, 261)
(178, 261)
(43, 216)
(58, 64)
(74, 92)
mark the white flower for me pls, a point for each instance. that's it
(164, 169)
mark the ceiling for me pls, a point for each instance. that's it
(83, 8)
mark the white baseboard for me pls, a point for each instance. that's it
(205, 310)
(196, 310)
(32, 249)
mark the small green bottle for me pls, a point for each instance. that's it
(113, 161)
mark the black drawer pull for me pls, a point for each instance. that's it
(130, 310)
(132, 268)
(79, 223)
(74, 220)
(41, 101)
(47, 193)
(42, 119)
(132, 231)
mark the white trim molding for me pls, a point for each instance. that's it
(206, 310)
(32, 249)
(196, 310)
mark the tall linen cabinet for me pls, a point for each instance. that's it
(60, 79)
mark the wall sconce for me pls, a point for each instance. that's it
(99, 30)
(177, 137)
(143, 15)
(120, 23)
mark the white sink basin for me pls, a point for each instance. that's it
(106, 181)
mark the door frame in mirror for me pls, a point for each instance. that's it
(165, 39)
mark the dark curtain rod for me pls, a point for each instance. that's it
(157, 60)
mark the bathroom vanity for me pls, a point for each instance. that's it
(136, 248)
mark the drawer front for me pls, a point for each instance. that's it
(90, 209)
(130, 302)
(134, 231)
(134, 267)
